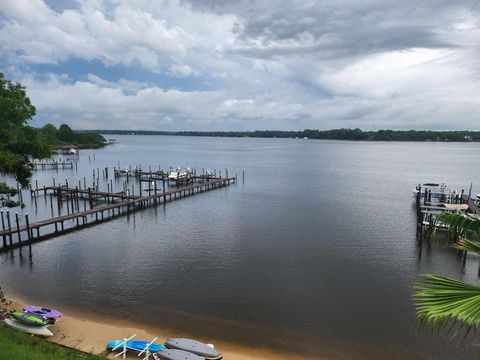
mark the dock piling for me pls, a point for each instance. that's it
(4, 237)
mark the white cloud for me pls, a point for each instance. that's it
(249, 65)
(182, 70)
(81, 103)
(37, 34)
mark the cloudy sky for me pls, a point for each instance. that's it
(246, 64)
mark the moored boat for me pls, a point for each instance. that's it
(178, 174)
(436, 192)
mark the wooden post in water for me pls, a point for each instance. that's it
(29, 235)
(75, 196)
(59, 198)
(90, 201)
(18, 228)
(3, 228)
(9, 228)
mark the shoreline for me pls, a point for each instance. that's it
(90, 333)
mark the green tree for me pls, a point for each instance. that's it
(65, 133)
(441, 301)
(18, 142)
(49, 134)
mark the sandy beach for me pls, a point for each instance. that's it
(90, 334)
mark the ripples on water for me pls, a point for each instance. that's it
(314, 253)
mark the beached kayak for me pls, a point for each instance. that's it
(29, 319)
(137, 345)
(195, 347)
(172, 354)
(35, 330)
(43, 312)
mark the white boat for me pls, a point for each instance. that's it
(178, 174)
(436, 191)
(35, 330)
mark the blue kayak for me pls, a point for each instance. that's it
(137, 345)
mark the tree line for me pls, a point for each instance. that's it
(335, 134)
(64, 135)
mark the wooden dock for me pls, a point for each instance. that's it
(430, 205)
(53, 165)
(17, 236)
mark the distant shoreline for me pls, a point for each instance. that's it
(336, 134)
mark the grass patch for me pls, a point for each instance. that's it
(15, 345)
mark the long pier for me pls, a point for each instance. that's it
(29, 233)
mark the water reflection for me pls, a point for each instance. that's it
(317, 248)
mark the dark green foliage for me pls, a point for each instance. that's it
(5, 193)
(65, 136)
(441, 301)
(15, 345)
(89, 139)
(335, 134)
(18, 142)
(49, 134)
(15, 106)
(65, 133)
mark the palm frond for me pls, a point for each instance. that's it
(468, 245)
(461, 223)
(440, 301)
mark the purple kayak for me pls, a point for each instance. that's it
(48, 314)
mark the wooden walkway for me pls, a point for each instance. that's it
(26, 234)
(86, 193)
(53, 165)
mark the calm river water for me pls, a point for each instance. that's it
(314, 253)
